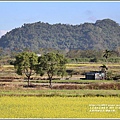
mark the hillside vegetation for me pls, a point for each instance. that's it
(101, 35)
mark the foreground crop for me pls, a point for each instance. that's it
(59, 107)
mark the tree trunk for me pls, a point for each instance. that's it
(105, 75)
(50, 81)
(28, 81)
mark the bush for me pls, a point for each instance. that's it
(105, 86)
(109, 75)
(94, 60)
(116, 77)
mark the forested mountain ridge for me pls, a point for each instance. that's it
(103, 34)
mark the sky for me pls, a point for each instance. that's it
(14, 14)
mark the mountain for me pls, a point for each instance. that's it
(103, 34)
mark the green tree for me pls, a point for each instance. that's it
(52, 64)
(104, 69)
(25, 64)
(107, 54)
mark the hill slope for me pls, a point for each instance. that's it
(104, 34)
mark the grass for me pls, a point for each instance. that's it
(92, 64)
(8, 66)
(61, 93)
(73, 81)
(59, 107)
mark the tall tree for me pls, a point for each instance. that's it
(25, 64)
(107, 53)
(52, 64)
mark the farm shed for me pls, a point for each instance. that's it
(95, 75)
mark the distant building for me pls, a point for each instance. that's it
(95, 75)
(38, 55)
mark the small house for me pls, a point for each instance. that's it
(95, 75)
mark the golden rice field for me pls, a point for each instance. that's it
(92, 64)
(59, 107)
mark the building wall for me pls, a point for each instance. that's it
(95, 76)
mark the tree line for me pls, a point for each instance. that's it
(74, 56)
(93, 55)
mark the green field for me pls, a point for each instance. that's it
(60, 93)
(59, 107)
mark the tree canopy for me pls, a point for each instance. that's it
(25, 64)
(52, 64)
(101, 35)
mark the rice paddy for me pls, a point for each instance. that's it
(59, 107)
